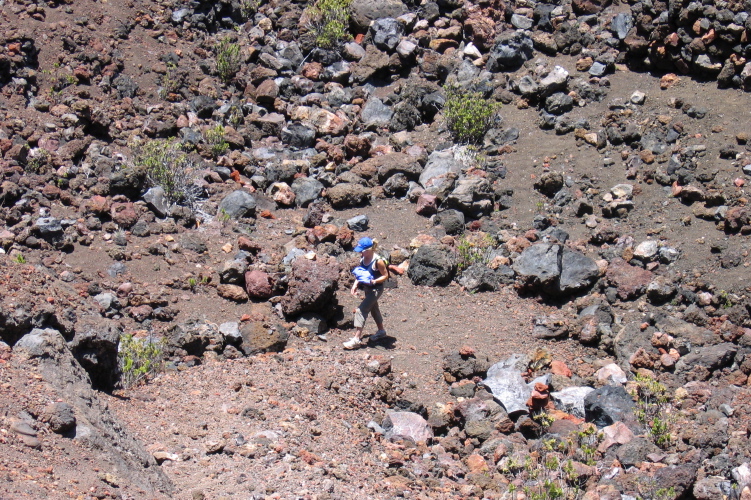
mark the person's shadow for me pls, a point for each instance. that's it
(384, 343)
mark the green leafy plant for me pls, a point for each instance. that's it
(468, 115)
(139, 358)
(214, 137)
(169, 166)
(171, 82)
(248, 8)
(19, 258)
(223, 216)
(653, 407)
(474, 248)
(328, 20)
(724, 299)
(228, 59)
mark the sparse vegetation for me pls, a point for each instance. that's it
(139, 358)
(228, 59)
(19, 258)
(169, 166)
(329, 21)
(654, 407)
(248, 8)
(37, 160)
(468, 115)
(474, 248)
(214, 137)
(171, 82)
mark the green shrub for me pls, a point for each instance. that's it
(214, 137)
(329, 22)
(468, 115)
(474, 248)
(19, 258)
(653, 408)
(228, 59)
(248, 8)
(139, 358)
(171, 81)
(169, 166)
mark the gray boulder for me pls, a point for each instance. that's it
(157, 201)
(622, 24)
(538, 265)
(480, 278)
(554, 269)
(307, 190)
(238, 204)
(451, 220)
(559, 103)
(233, 272)
(635, 451)
(358, 223)
(95, 427)
(610, 404)
(440, 164)
(510, 52)
(299, 135)
(386, 32)
(432, 265)
(473, 195)
(714, 357)
(577, 272)
(376, 114)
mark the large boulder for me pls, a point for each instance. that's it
(511, 50)
(312, 286)
(348, 195)
(306, 190)
(432, 265)
(439, 169)
(238, 204)
(610, 404)
(261, 336)
(474, 196)
(95, 426)
(554, 269)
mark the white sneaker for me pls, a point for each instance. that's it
(352, 343)
(378, 335)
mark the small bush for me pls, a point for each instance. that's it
(228, 59)
(139, 358)
(474, 248)
(248, 8)
(329, 21)
(653, 408)
(214, 138)
(171, 81)
(468, 114)
(169, 166)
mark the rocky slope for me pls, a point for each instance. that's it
(569, 309)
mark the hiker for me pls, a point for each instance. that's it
(370, 276)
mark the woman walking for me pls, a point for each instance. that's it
(370, 276)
